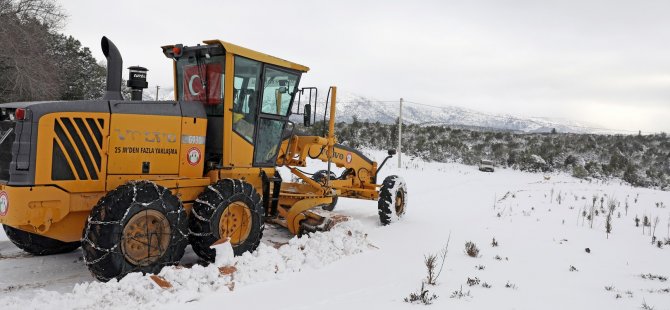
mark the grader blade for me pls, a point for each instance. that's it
(306, 216)
(321, 220)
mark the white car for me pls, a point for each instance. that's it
(486, 165)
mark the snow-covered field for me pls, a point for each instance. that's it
(541, 261)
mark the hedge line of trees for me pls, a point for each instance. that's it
(39, 63)
(641, 160)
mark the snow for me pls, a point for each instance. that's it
(224, 254)
(361, 264)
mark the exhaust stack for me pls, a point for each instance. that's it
(114, 69)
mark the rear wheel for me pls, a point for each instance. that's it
(38, 245)
(320, 177)
(137, 227)
(392, 202)
(230, 209)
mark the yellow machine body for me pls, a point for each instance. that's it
(99, 151)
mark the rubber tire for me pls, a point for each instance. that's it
(208, 208)
(319, 177)
(391, 187)
(102, 237)
(38, 245)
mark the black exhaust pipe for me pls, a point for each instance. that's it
(114, 69)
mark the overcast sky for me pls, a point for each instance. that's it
(602, 62)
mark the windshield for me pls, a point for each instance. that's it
(202, 79)
(278, 91)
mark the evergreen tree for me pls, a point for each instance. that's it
(37, 62)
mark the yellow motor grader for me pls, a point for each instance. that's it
(133, 182)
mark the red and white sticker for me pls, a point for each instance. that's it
(4, 203)
(193, 156)
(348, 157)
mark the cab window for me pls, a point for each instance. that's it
(202, 79)
(245, 96)
(278, 90)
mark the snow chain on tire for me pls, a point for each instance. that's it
(38, 245)
(392, 202)
(161, 226)
(218, 200)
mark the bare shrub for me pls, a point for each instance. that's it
(650, 276)
(431, 262)
(472, 281)
(510, 285)
(645, 306)
(653, 236)
(434, 264)
(459, 293)
(608, 225)
(471, 249)
(423, 296)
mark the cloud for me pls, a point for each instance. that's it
(539, 58)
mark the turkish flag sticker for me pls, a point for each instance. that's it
(194, 84)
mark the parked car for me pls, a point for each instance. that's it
(486, 165)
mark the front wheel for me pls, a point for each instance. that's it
(228, 209)
(392, 202)
(138, 227)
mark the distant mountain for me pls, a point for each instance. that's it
(372, 110)
(166, 93)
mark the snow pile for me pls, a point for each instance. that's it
(190, 284)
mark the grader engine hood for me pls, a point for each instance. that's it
(18, 159)
(67, 140)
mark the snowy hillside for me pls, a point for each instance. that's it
(552, 253)
(165, 93)
(372, 110)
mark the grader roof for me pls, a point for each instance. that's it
(249, 53)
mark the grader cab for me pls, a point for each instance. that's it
(133, 182)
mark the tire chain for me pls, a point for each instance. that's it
(115, 249)
(247, 191)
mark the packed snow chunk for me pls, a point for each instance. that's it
(224, 253)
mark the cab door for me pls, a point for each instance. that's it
(279, 88)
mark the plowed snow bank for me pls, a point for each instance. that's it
(188, 284)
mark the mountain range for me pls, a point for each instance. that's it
(353, 106)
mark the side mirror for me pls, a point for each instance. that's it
(307, 113)
(391, 152)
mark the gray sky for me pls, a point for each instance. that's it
(603, 62)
